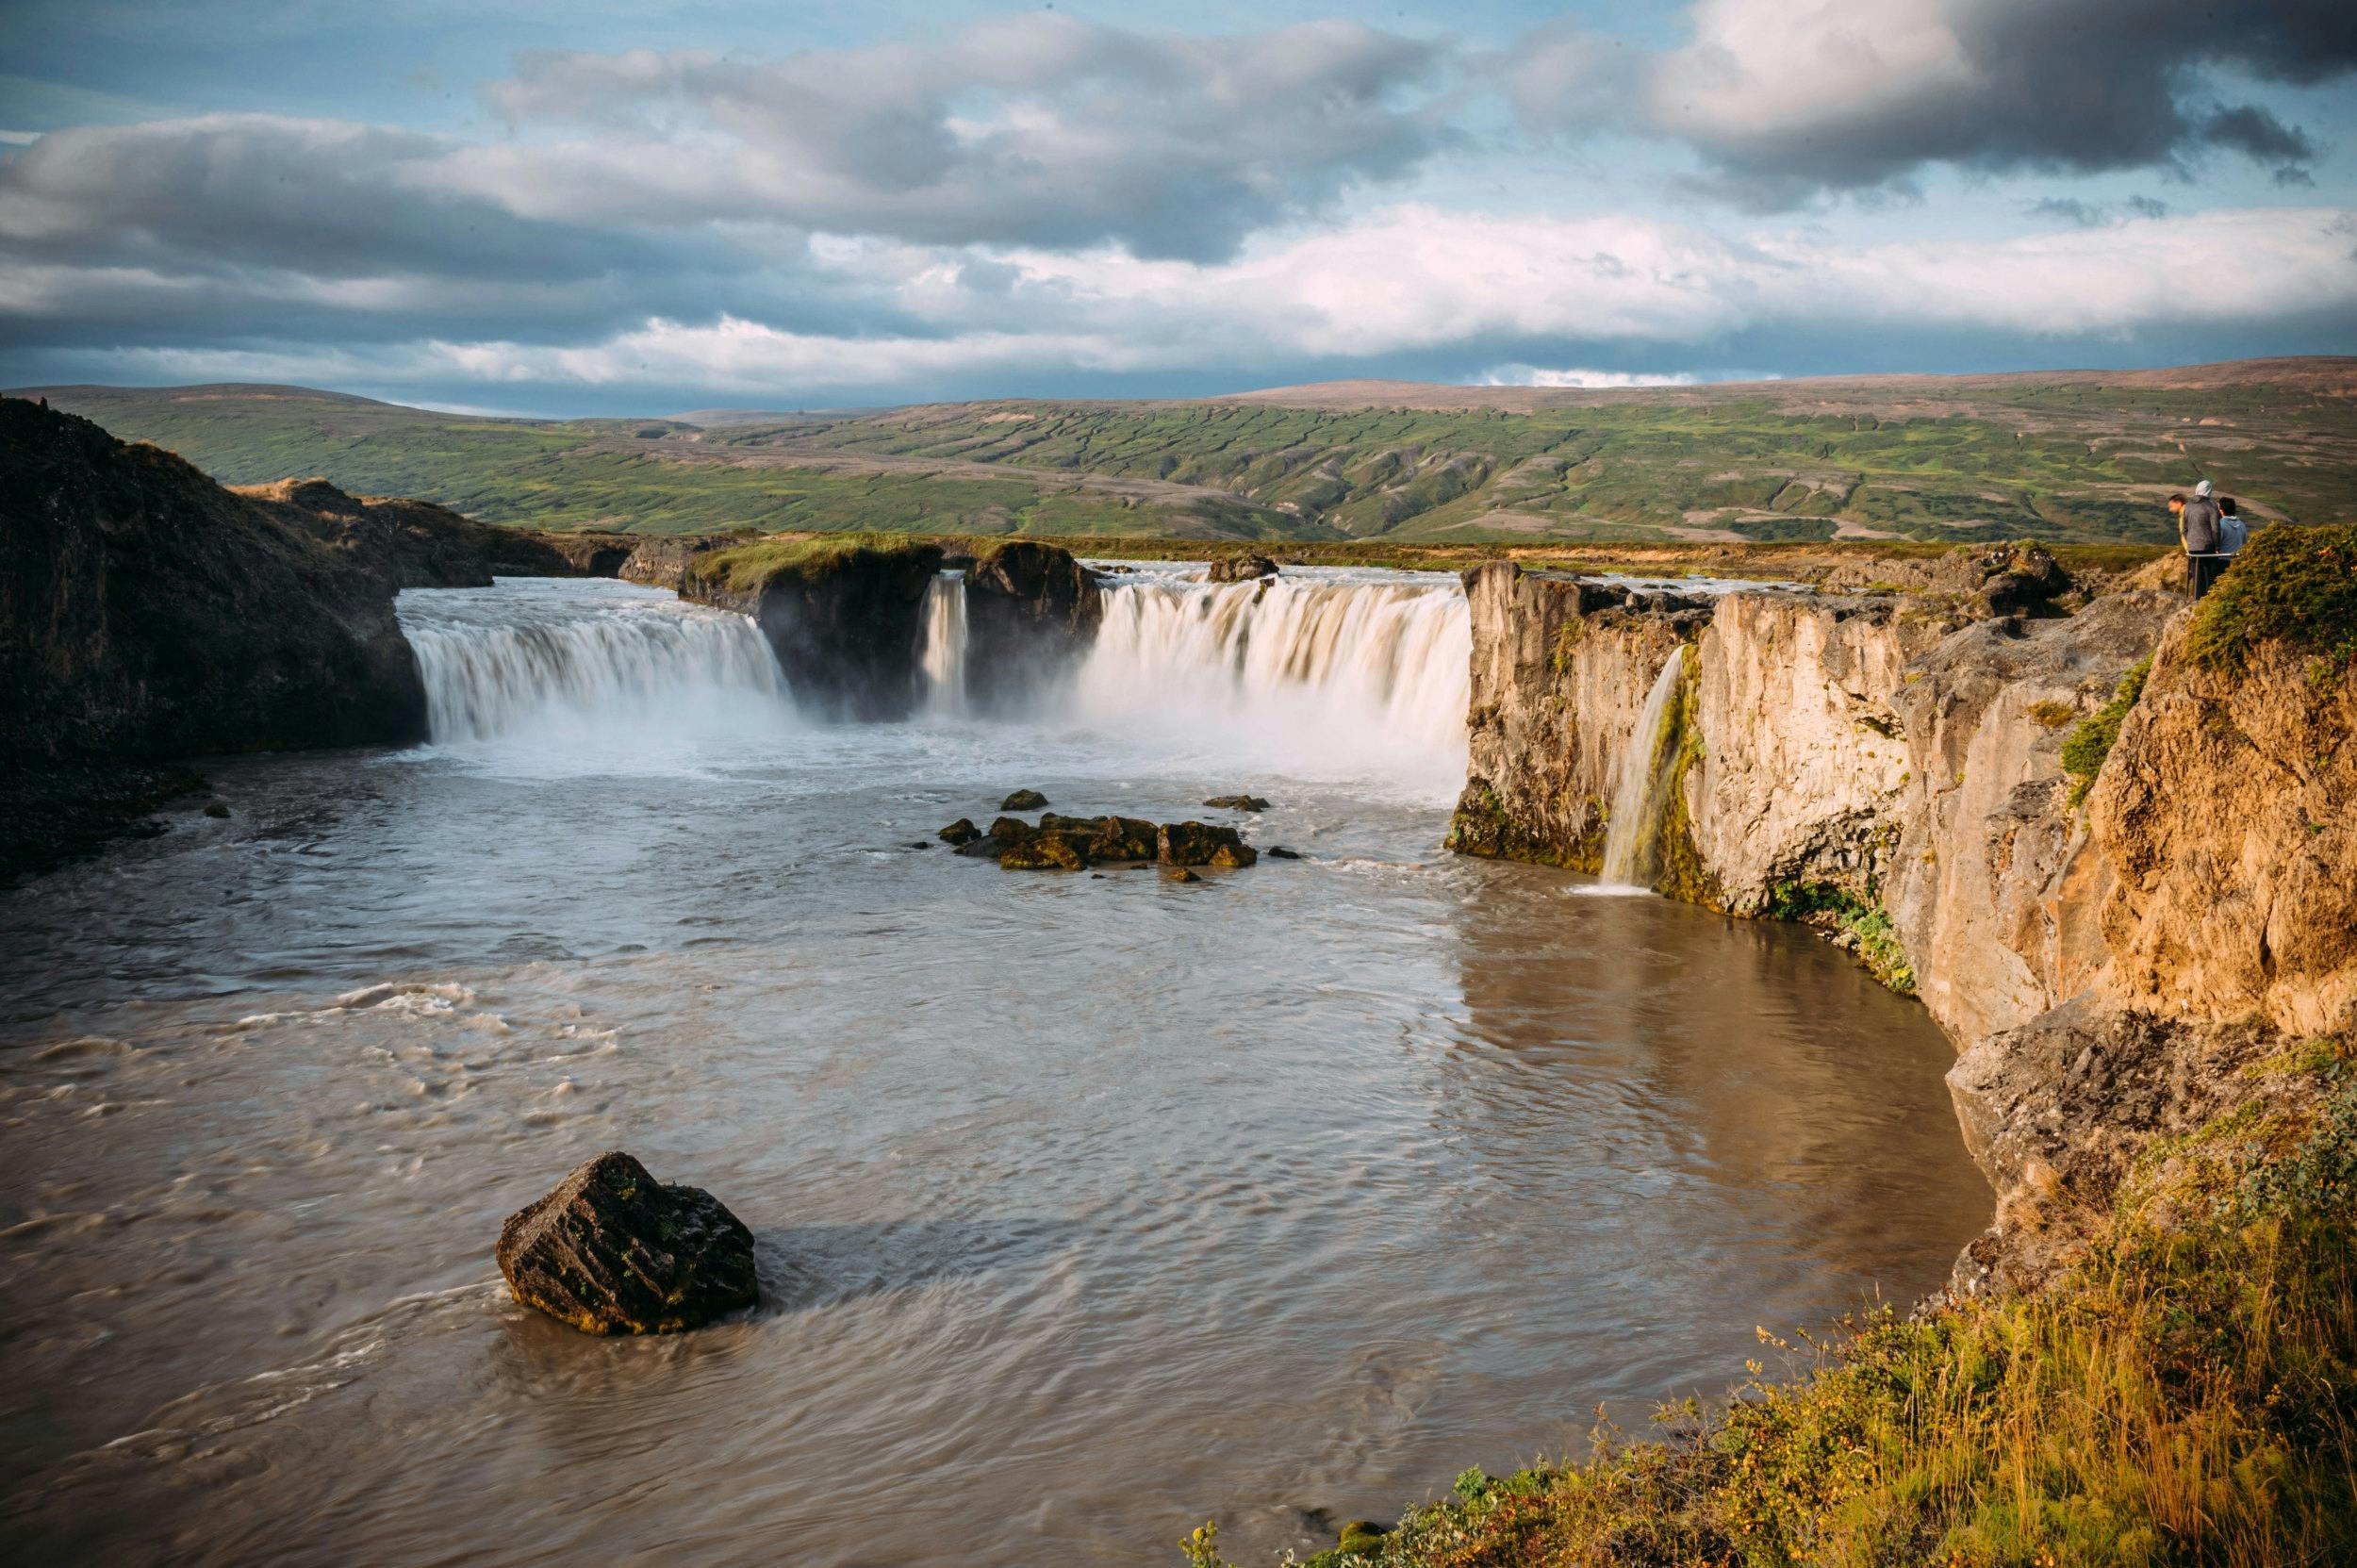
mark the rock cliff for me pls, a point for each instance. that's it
(146, 614)
(1907, 771)
(417, 544)
(1031, 609)
(841, 613)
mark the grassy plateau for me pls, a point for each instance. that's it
(2071, 457)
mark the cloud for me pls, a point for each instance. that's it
(1406, 280)
(1532, 375)
(1790, 98)
(1026, 129)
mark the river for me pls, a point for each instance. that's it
(1087, 1207)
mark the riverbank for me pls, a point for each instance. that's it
(2183, 1392)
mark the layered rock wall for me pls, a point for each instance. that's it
(1561, 668)
(1893, 767)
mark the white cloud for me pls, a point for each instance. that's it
(1406, 279)
(1533, 375)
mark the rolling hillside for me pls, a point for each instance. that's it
(2067, 456)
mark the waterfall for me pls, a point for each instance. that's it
(602, 660)
(1317, 674)
(941, 644)
(1640, 788)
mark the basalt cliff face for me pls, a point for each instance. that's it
(1891, 768)
(1031, 609)
(840, 617)
(146, 614)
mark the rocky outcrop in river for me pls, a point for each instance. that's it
(2107, 937)
(611, 1250)
(1032, 610)
(841, 613)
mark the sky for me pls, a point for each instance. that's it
(649, 207)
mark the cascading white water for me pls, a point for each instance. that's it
(542, 655)
(941, 644)
(1640, 790)
(1314, 673)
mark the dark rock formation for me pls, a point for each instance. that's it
(1023, 799)
(841, 615)
(614, 1251)
(148, 614)
(1031, 609)
(663, 563)
(419, 545)
(1237, 802)
(1278, 851)
(1241, 569)
(962, 830)
(1203, 844)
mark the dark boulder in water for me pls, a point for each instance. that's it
(1023, 799)
(614, 1251)
(1203, 844)
(1237, 802)
(1047, 851)
(1179, 873)
(1278, 851)
(962, 830)
(1241, 569)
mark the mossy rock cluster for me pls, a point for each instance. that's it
(1060, 843)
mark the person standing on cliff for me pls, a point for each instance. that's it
(2197, 526)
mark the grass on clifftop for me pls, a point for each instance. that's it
(2188, 1394)
(2292, 585)
(2084, 747)
(750, 567)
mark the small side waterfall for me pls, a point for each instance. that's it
(941, 644)
(604, 662)
(1632, 844)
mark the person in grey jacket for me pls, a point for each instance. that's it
(2197, 525)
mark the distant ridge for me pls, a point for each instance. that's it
(2326, 375)
(2067, 457)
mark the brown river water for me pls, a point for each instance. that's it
(1087, 1208)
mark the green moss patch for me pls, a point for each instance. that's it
(2085, 749)
(751, 567)
(2297, 587)
(1865, 927)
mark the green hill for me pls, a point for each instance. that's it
(2066, 456)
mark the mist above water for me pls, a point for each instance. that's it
(1326, 673)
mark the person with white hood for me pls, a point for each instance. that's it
(2197, 526)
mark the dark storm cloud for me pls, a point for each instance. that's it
(232, 228)
(1031, 129)
(1787, 103)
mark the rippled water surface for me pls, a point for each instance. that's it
(1087, 1207)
